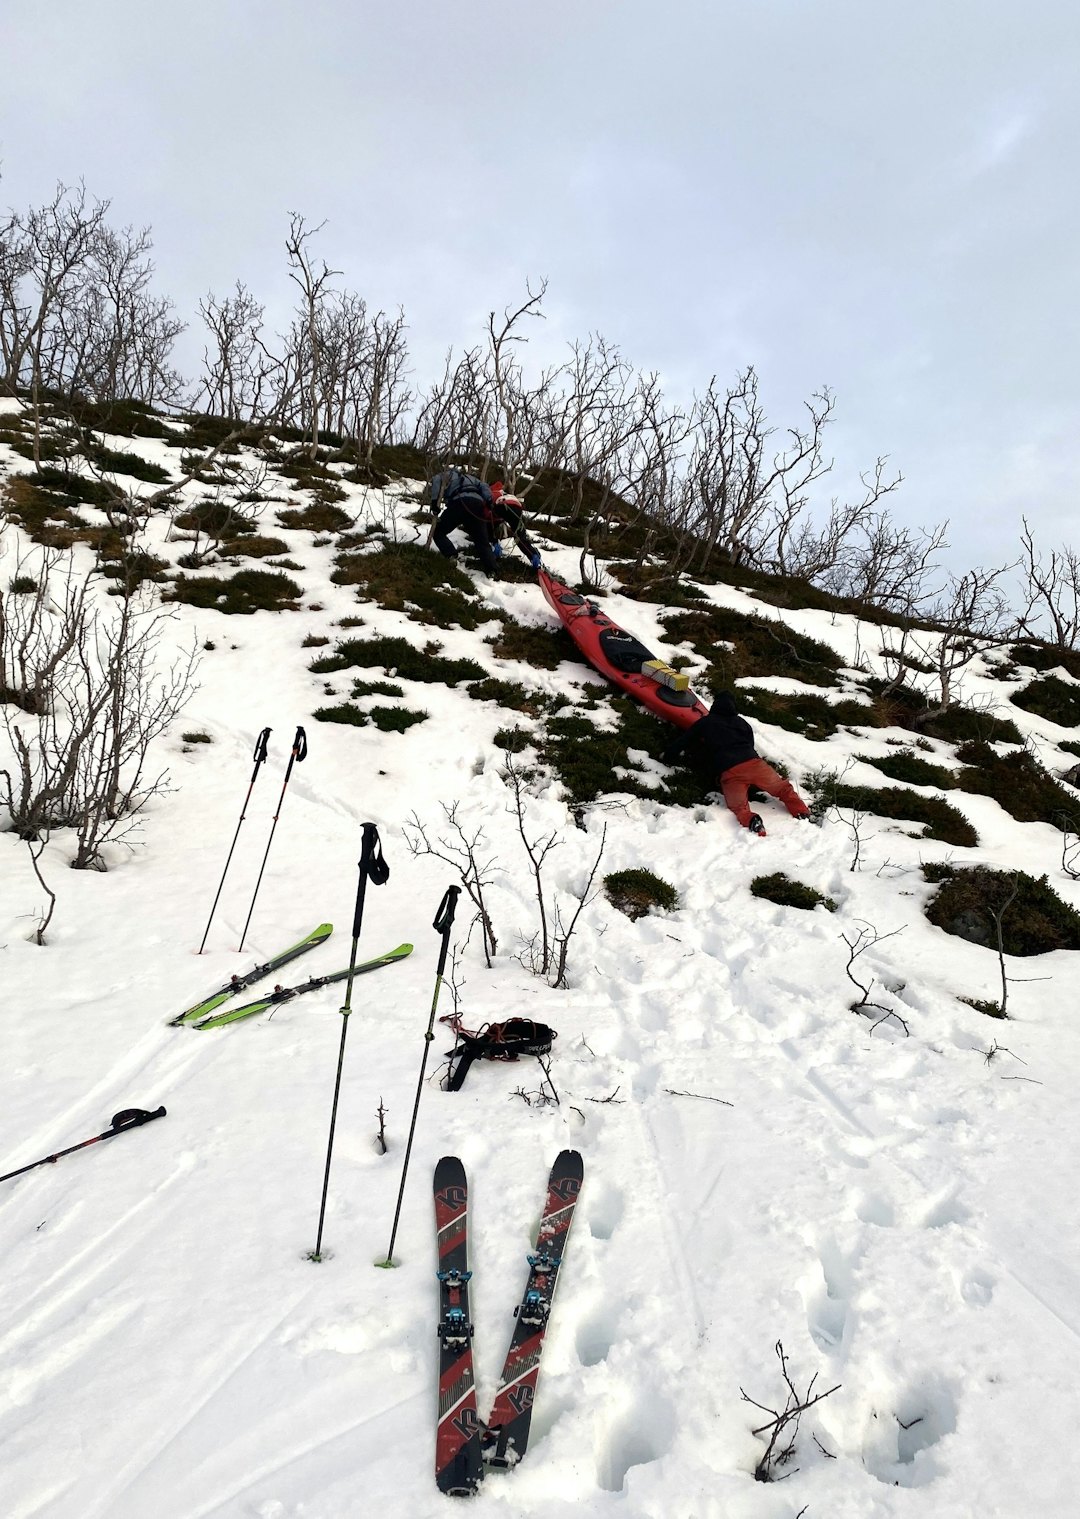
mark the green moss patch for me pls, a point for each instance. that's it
(243, 593)
(318, 517)
(813, 716)
(544, 648)
(512, 695)
(1046, 656)
(1057, 700)
(785, 892)
(398, 657)
(940, 820)
(909, 768)
(634, 892)
(116, 463)
(396, 719)
(761, 646)
(404, 577)
(967, 897)
(344, 712)
(585, 758)
(376, 688)
(1017, 782)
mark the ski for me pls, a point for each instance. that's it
(287, 993)
(238, 983)
(459, 1469)
(505, 1435)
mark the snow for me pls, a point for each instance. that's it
(896, 1211)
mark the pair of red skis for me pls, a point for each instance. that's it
(464, 1447)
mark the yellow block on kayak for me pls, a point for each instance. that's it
(664, 675)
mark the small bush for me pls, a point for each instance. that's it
(1036, 922)
(813, 716)
(633, 892)
(314, 641)
(397, 656)
(1056, 700)
(941, 820)
(512, 695)
(543, 648)
(395, 719)
(907, 767)
(513, 740)
(1046, 656)
(1018, 783)
(762, 646)
(219, 520)
(21, 585)
(196, 738)
(318, 517)
(130, 464)
(405, 577)
(344, 713)
(376, 688)
(590, 761)
(258, 546)
(243, 593)
(904, 707)
(785, 892)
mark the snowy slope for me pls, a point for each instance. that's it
(897, 1211)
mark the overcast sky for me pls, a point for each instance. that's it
(880, 197)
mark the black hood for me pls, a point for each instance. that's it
(723, 705)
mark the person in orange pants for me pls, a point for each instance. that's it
(725, 742)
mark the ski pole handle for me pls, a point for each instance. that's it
(131, 1118)
(259, 752)
(444, 922)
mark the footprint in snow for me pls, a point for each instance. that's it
(605, 1210)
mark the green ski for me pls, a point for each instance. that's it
(287, 993)
(238, 983)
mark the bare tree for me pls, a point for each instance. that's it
(1051, 593)
(313, 283)
(459, 851)
(91, 699)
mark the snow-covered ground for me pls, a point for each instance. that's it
(760, 1165)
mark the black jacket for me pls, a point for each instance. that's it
(721, 740)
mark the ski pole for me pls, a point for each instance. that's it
(299, 752)
(444, 921)
(130, 1118)
(373, 868)
(259, 756)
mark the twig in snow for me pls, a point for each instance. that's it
(612, 1098)
(704, 1096)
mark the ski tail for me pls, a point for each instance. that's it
(459, 1468)
(506, 1433)
(287, 993)
(238, 983)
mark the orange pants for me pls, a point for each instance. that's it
(736, 782)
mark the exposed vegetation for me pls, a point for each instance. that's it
(760, 646)
(785, 892)
(405, 577)
(634, 892)
(1020, 784)
(905, 766)
(940, 820)
(316, 517)
(512, 695)
(814, 716)
(243, 593)
(1045, 656)
(543, 647)
(967, 898)
(1057, 700)
(398, 657)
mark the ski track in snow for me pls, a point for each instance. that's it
(886, 1207)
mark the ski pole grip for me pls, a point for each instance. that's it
(299, 746)
(372, 861)
(444, 918)
(131, 1118)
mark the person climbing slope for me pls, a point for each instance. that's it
(480, 511)
(725, 742)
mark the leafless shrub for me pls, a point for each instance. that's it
(1051, 593)
(866, 937)
(459, 851)
(782, 1427)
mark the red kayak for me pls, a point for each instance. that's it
(618, 655)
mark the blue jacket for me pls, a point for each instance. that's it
(452, 485)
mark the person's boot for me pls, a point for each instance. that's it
(755, 825)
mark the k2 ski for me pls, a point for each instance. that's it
(458, 1465)
(287, 993)
(236, 984)
(505, 1435)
